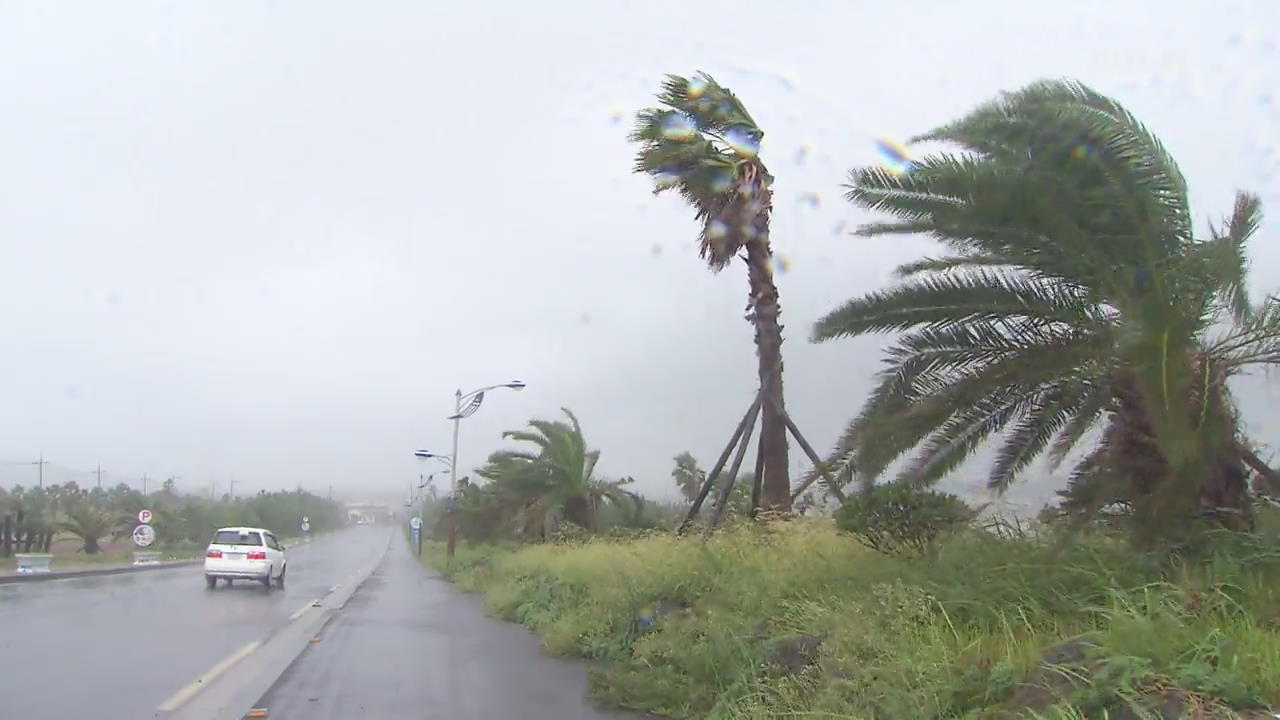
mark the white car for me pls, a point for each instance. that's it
(244, 553)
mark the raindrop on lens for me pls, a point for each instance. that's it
(696, 87)
(717, 230)
(666, 179)
(678, 127)
(721, 182)
(743, 142)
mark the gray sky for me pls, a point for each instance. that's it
(267, 240)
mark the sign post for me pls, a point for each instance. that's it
(144, 517)
(415, 524)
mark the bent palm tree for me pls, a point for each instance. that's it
(556, 482)
(704, 144)
(1077, 293)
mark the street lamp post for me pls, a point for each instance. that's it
(473, 400)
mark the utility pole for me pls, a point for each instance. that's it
(144, 485)
(98, 472)
(330, 491)
(233, 489)
(40, 464)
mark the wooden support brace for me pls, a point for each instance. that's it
(715, 471)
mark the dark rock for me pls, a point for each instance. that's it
(1060, 670)
(793, 654)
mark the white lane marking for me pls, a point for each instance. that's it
(186, 693)
(302, 610)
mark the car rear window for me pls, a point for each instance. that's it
(231, 537)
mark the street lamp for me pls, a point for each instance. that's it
(473, 399)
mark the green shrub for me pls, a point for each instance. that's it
(897, 518)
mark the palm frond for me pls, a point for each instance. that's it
(1045, 416)
(1092, 406)
(948, 263)
(955, 298)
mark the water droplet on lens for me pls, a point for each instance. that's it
(717, 230)
(721, 182)
(697, 86)
(615, 116)
(742, 142)
(679, 127)
(840, 228)
(656, 250)
(666, 179)
(802, 153)
(897, 161)
(781, 264)
(813, 199)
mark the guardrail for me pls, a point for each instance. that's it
(146, 558)
(33, 563)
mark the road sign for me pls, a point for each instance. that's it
(415, 522)
(306, 526)
(306, 519)
(144, 516)
(144, 535)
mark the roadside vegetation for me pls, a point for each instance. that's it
(1077, 318)
(86, 522)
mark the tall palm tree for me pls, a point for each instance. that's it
(555, 482)
(1076, 295)
(705, 145)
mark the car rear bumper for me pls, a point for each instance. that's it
(231, 574)
(238, 569)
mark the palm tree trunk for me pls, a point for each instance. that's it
(1165, 494)
(768, 337)
(577, 510)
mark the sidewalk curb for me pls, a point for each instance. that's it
(90, 572)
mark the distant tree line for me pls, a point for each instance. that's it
(31, 518)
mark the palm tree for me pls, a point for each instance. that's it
(688, 476)
(89, 523)
(1076, 295)
(557, 482)
(704, 144)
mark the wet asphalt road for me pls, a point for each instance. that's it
(409, 645)
(117, 646)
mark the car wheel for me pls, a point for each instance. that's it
(280, 579)
(210, 581)
(266, 582)
(230, 581)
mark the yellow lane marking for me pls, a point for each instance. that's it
(186, 693)
(302, 610)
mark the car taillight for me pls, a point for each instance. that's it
(213, 554)
(257, 555)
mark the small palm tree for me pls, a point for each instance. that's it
(688, 476)
(1076, 295)
(557, 482)
(89, 523)
(705, 145)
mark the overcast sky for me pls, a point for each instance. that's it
(266, 241)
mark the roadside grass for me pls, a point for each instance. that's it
(796, 620)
